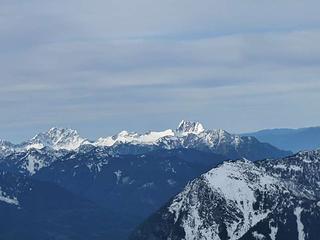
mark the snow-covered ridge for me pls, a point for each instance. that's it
(148, 138)
(56, 138)
(6, 148)
(245, 200)
(46, 147)
(186, 135)
(233, 182)
(69, 139)
(184, 129)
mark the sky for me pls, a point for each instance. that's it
(101, 66)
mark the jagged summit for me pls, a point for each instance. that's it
(56, 138)
(152, 137)
(6, 148)
(187, 127)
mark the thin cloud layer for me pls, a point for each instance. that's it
(108, 65)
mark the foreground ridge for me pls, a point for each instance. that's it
(275, 200)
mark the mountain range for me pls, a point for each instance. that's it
(290, 139)
(187, 135)
(112, 184)
(187, 183)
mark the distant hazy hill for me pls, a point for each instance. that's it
(290, 139)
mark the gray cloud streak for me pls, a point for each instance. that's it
(95, 65)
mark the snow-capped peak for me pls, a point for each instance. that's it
(6, 148)
(56, 138)
(5, 144)
(187, 135)
(148, 138)
(187, 127)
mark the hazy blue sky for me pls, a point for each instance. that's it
(101, 66)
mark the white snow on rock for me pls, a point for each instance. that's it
(6, 148)
(258, 236)
(236, 182)
(147, 185)
(118, 174)
(8, 199)
(34, 160)
(274, 231)
(187, 127)
(242, 199)
(187, 135)
(57, 138)
(134, 138)
(69, 139)
(297, 212)
(33, 164)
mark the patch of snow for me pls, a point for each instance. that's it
(147, 185)
(237, 140)
(274, 231)
(307, 160)
(194, 228)
(35, 146)
(33, 164)
(300, 227)
(296, 168)
(118, 175)
(106, 142)
(7, 199)
(96, 166)
(152, 137)
(179, 202)
(171, 182)
(281, 166)
(258, 236)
